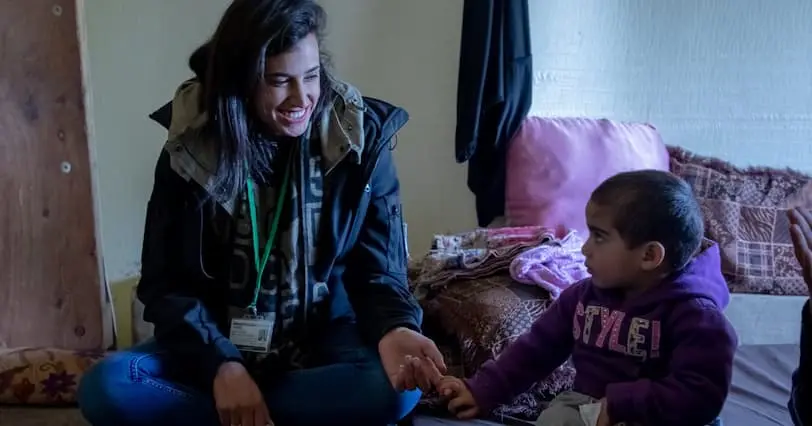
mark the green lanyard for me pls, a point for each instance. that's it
(252, 206)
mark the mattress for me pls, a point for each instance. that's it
(765, 319)
(435, 421)
(758, 395)
(761, 385)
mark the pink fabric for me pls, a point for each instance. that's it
(554, 164)
(553, 266)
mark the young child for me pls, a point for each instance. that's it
(646, 332)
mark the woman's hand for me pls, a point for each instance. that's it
(461, 401)
(410, 359)
(237, 397)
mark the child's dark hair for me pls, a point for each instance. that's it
(652, 205)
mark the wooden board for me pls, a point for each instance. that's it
(50, 292)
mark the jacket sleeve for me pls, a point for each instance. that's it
(182, 324)
(799, 406)
(693, 392)
(377, 286)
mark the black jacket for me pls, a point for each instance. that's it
(494, 95)
(361, 251)
(800, 404)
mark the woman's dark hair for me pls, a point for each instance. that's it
(249, 32)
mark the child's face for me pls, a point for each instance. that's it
(610, 261)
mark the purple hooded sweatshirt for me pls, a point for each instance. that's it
(662, 358)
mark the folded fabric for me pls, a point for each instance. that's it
(553, 266)
(476, 254)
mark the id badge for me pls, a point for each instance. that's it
(251, 334)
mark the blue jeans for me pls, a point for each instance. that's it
(147, 386)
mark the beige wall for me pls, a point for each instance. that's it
(136, 55)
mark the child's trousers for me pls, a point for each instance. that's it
(565, 410)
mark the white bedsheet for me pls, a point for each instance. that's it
(766, 320)
(762, 376)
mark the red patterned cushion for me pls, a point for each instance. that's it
(43, 376)
(745, 212)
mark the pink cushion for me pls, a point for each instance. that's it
(554, 164)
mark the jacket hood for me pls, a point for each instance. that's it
(701, 279)
(340, 131)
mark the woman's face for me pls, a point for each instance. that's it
(291, 88)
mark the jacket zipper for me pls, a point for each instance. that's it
(376, 153)
(374, 158)
(307, 251)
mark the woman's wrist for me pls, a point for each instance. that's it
(231, 368)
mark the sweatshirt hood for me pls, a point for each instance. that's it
(701, 279)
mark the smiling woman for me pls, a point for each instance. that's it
(292, 89)
(274, 262)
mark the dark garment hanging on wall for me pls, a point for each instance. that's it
(494, 94)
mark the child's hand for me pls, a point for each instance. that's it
(461, 402)
(603, 417)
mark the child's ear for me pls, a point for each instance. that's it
(653, 255)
